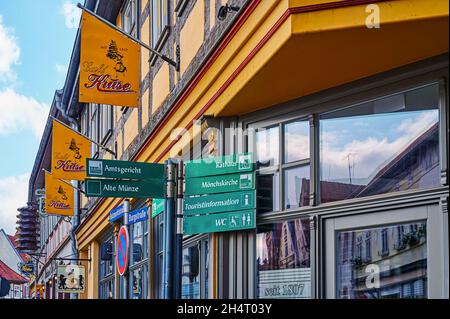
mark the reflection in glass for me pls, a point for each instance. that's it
(296, 187)
(267, 146)
(283, 260)
(383, 146)
(137, 288)
(296, 141)
(385, 262)
(191, 273)
(268, 188)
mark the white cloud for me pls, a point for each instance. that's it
(13, 194)
(370, 154)
(61, 69)
(19, 112)
(71, 13)
(9, 52)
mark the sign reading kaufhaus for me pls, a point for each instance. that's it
(228, 164)
(124, 169)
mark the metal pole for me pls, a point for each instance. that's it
(169, 231)
(179, 231)
(126, 279)
(168, 60)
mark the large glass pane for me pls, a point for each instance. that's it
(296, 141)
(137, 288)
(191, 273)
(138, 242)
(267, 146)
(383, 146)
(382, 262)
(296, 187)
(268, 190)
(283, 260)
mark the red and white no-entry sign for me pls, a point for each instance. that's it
(122, 250)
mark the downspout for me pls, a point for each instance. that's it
(76, 205)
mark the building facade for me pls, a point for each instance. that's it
(10, 260)
(344, 105)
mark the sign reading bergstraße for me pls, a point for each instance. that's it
(124, 169)
(219, 203)
(228, 164)
(220, 184)
(152, 188)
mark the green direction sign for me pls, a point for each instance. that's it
(219, 203)
(220, 184)
(154, 188)
(228, 164)
(157, 206)
(220, 222)
(124, 169)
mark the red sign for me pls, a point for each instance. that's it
(122, 250)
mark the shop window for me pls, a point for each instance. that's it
(283, 260)
(129, 17)
(159, 21)
(392, 274)
(158, 240)
(139, 261)
(382, 146)
(283, 165)
(194, 271)
(106, 272)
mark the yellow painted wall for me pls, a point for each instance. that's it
(212, 13)
(192, 35)
(145, 54)
(130, 129)
(145, 110)
(160, 86)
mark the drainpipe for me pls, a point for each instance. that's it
(76, 205)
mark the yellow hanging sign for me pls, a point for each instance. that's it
(69, 153)
(58, 196)
(109, 65)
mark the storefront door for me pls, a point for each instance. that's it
(390, 254)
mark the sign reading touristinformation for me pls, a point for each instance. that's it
(109, 65)
(123, 242)
(71, 279)
(124, 169)
(228, 164)
(122, 188)
(227, 200)
(219, 203)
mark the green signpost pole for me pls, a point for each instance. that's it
(179, 234)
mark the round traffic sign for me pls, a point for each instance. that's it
(122, 250)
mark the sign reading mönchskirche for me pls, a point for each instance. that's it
(71, 278)
(124, 169)
(150, 188)
(220, 184)
(116, 213)
(227, 184)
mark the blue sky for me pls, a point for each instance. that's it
(36, 41)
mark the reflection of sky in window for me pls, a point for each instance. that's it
(368, 142)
